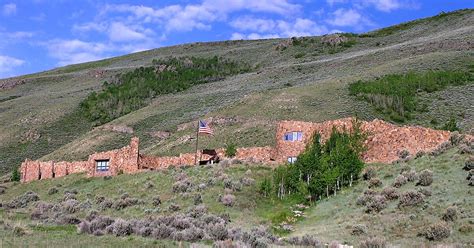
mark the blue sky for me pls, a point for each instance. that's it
(37, 35)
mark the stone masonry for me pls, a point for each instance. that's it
(384, 142)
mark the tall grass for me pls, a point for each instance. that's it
(133, 90)
(395, 95)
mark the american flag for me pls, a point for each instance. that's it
(204, 128)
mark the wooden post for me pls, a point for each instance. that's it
(197, 141)
(335, 190)
(327, 191)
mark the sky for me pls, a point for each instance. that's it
(37, 35)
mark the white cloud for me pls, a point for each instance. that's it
(75, 51)
(9, 9)
(198, 16)
(268, 28)
(248, 23)
(7, 64)
(120, 32)
(333, 2)
(20, 35)
(387, 5)
(348, 17)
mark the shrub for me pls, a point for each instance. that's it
(121, 228)
(437, 231)
(425, 191)
(52, 191)
(441, 148)
(307, 241)
(375, 182)
(100, 223)
(425, 178)
(403, 154)
(399, 181)
(69, 196)
(197, 199)
(230, 150)
(217, 231)
(182, 186)
(174, 207)
(456, 138)
(366, 197)
(84, 227)
(265, 187)
(247, 181)
(156, 201)
(376, 205)
(23, 200)
(359, 229)
(149, 185)
(233, 185)
(451, 214)
(15, 177)
(71, 206)
(369, 172)
(451, 125)
(410, 175)
(466, 149)
(390, 193)
(466, 228)
(107, 203)
(410, 198)
(469, 164)
(162, 232)
(228, 200)
(373, 242)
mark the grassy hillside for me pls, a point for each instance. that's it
(308, 80)
(335, 218)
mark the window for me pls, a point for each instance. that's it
(293, 136)
(102, 165)
(291, 160)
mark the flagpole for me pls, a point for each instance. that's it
(197, 140)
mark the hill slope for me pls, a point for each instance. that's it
(303, 79)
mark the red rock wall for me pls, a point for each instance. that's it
(384, 141)
(254, 154)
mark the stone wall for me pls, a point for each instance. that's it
(385, 141)
(255, 154)
(123, 160)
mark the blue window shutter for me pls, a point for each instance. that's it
(300, 136)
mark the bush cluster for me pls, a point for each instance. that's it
(194, 225)
(425, 178)
(377, 203)
(133, 90)
(437, 231)
(321, 168)
(369, 172)
(22, 201)
(410, 198)
(400, 180)
(373, 242)
(228, 200)
(390, 193)
(395, 95)
(375, 182)
(359, 229)
(451, 214)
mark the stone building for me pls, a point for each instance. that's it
(384, 143)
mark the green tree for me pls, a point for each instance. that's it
(15, 177)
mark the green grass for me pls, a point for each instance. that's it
(328, 219)
(334, 217)
(396, 95)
